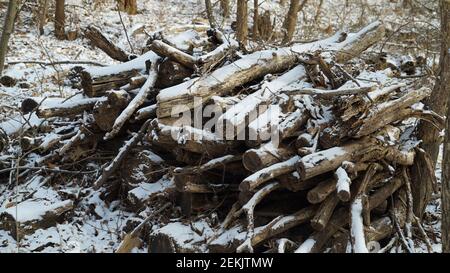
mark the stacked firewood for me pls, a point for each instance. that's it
(309, 149)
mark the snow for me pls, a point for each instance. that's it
(32, 210)
(343, 181)
(145, 190)
(289, 164)
(312, 160)
(306, 246)
(19, 123)
(100, 230)
(357, 227)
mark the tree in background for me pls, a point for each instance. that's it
(225, 6)
(444, 88)
(241, 22)
(8, 27)
(209, 13)
(422, 179)
(130, 6)
(60, 18)
(42, 12)
(291, 19)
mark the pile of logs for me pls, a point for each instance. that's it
(309, 151)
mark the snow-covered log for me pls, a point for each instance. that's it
(30, 215)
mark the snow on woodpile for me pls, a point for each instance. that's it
(188, 143)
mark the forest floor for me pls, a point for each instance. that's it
(103, 231)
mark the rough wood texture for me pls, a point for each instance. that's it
(68, 109)
(99, 40)
(24, 223)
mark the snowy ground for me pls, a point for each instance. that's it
(102, 231)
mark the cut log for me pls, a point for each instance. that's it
(171, 73)
(331, 159)
(234, 121)
(327, 94)
(320, 192)
(99, 40)
(257, 159)
(324, 213)
(106, 112)
(69, 108)
(255, 180)
(190, 139)
(253, 66)
(135, 103)
(30, 215)
(340, 218)
(343, 184)
(212, 164)
(165, 50)
(95, 81)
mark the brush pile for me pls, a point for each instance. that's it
(303, 148)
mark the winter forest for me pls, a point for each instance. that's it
(224, 126)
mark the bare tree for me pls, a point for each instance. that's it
(242, 24)
(130, 6)
(8, 27)
(225, 6)
(60, 18)
(255, 18)
(444, 87)
(422, 182)
(43, 8)
(291, 19)
(209, 13)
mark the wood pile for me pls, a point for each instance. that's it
(309, 151)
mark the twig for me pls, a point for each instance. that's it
(125, 30)
(55, 63)
(46, 170)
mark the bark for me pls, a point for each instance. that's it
(324, 213)
(291, 19)
(43, 9)
(444, 87)
(163, 49)
(99, 40)
(114, 165)
(225, 6)
(255, 19)
(44, 216)
(209, 13)
(106, 112)
(171, 73)
(60, 18)
(242, 23)
(135, 103)
(130, 6)
(320, 192)
(68, 109)
(256, 159)
(8, 28)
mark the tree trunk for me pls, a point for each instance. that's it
(209, 13)
(444, 88)
(422, 183)
(60, 18)
(291, 19)
(255, 19)
(43, 8)
(130, 6)
(242, 24)
(225, 5)
(8, 28)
